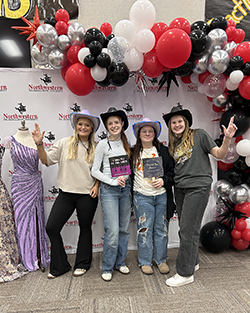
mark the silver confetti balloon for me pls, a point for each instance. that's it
(230, 48)
(218, 38)
(200, 65)
(47, 35)
(63, 42)
(75, 33)
(39, 57)
(218, 62)
(222, 188)
(221, 100)
(238, 194)
(57, 59)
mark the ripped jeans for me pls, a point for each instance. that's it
(152, 225)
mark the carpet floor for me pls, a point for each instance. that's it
(222, 284)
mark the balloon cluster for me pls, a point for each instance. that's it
(233, 208)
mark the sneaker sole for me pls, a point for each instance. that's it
(180, 284)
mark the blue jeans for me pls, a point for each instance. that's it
(116, 208)
(190, 205)
(152, 225)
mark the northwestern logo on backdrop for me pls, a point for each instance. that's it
(130, 115)
(150, 85)
(21, 114)
(74, 108)
(45, 85)
(51, 138)
(3, 88)
(53, 194)
(98, 88)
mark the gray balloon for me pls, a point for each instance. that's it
(63, 42)
(238, 194)
(222, 188)
(230, 48)
(75, 33)
(38, 56)
(47, 35)
(57, 59)
(218, 62)
(218, 38)
(200, 66)
(221, 100)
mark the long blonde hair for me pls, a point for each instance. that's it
(187, 139)
(74, 142)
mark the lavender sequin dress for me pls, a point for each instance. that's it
(27, 194)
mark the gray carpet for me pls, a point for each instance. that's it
(222, 284)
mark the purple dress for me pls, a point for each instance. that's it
(27, 194)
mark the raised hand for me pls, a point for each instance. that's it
(37, 135)
(229, 132)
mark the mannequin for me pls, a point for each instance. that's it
(24, 136)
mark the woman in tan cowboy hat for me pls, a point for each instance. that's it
(193, 177)
(152, 197)
(77, 190)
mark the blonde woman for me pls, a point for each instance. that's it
(190, 149)
(77, 190)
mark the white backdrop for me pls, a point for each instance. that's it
(41, 96)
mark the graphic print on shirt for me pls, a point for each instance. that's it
(181, 156)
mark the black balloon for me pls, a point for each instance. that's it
(234, 176)
(118, 74)
(236, 62)
(108, 38)
(200, 25)
(184, 70)
(246, 69)
(215, 237)
(241, 120)
(104, 83)
(95, 48)
(200, 42)
(89, 61)
(218, 141)
(93, 34)
(218, 22)
(103, 60)
(50, 20)
(240, 164)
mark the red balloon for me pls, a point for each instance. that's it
(62, 15)
(64, 70)
(231, 23)
(106, 28)
(240, 244)
(231, 33)
(243, 50)
(240, 35)
(61, 27)
(217, 109)
(181, 23)
(246, 234)
(72, 54)
(244, 87)
(240, 224)
(79, 79)
(236, 234)
(173, 48)
(151, 65)
(202, 77)
(158, 29)
(224, 166)
(244, 208)
(210, 99)
(186, 80)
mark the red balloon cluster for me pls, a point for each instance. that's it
(241, 234)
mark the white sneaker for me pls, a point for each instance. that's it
(124, 269)
(178, 280)
(106, 276)
(79, 272)
(197, 267)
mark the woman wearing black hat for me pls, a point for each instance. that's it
(114, 192)
(193, 177)
(77, 190)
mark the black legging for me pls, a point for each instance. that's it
(62, 209)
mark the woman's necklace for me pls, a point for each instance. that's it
(84, 146)
(118, 137)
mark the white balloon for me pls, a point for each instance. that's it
(142, 14)
(230, 85)
(133, 59)
(145, 40)
(243, 147)
(106, 50)
(98, 73)
(126, 29)
(247, 160)
(194, 78)
(236, 76)
(82, 54)
(201, 89)
(248, 222)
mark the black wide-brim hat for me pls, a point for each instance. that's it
(114, 112)
(178, 110)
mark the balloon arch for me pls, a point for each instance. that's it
(212, 55)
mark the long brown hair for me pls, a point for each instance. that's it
(187, 139)
(137, 149)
